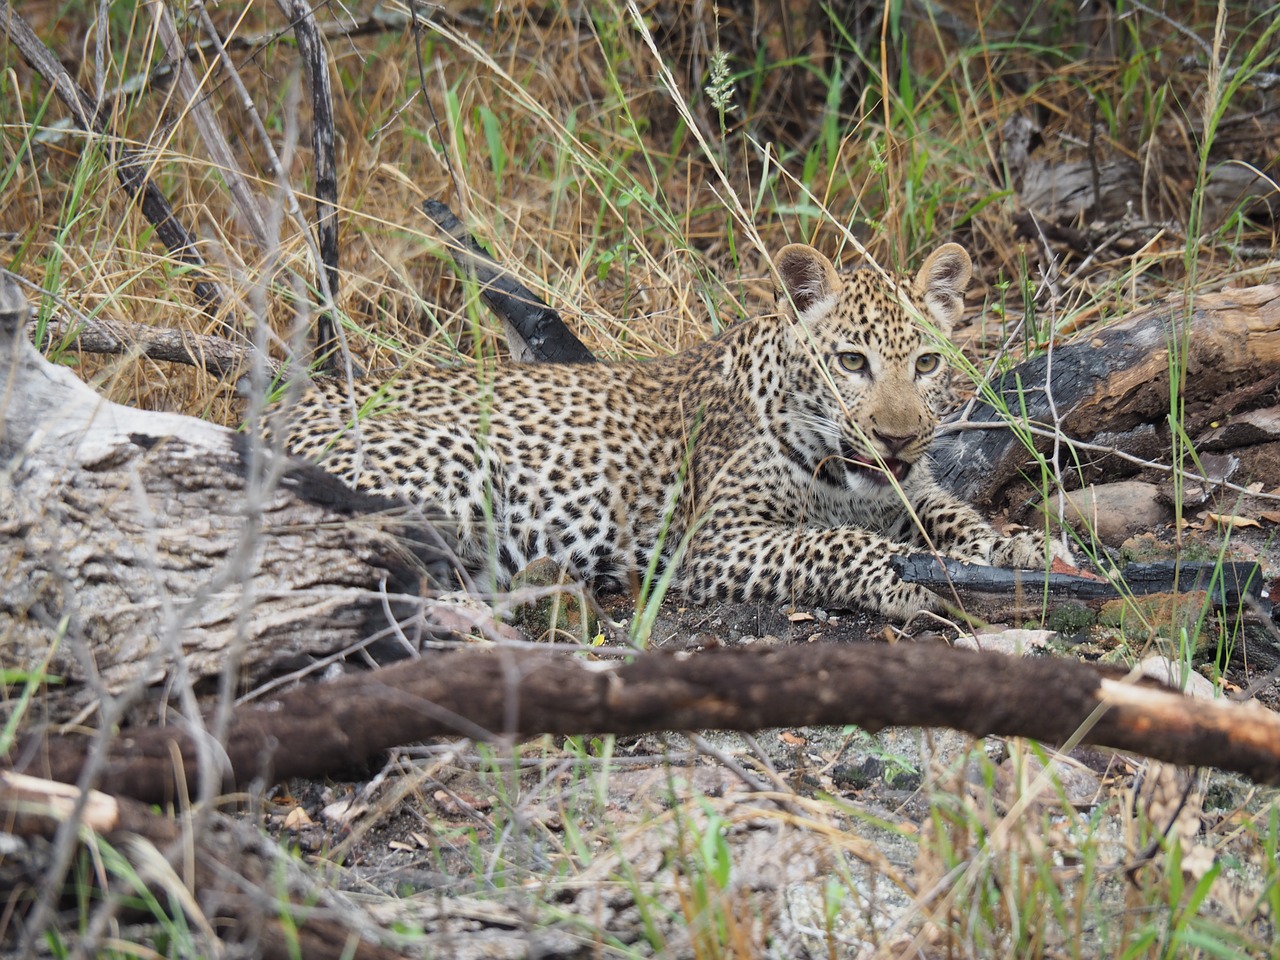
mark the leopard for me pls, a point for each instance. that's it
(783, 460)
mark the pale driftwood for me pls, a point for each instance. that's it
(495, 693)
(1111, 387)
(134, 539)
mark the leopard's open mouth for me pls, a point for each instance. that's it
(873, 470)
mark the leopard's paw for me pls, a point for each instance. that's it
(1027, 550)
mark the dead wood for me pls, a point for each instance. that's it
(139, 543)
(315, 63)
(1115, 190)
(999, 593)
(321, 730)
(1133, 197)
(250, 891)
(1112, 386)
(534, 330)
(216, 355)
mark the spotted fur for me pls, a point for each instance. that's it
(775, 462)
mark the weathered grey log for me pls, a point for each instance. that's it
(1111, 387)
(1110, 187)
(101, 334)
(131, 539)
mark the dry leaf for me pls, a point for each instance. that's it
(343, 812)
(296, 819)
(799, 616)
(1271, 516)
(1232, 520)
(792, 739)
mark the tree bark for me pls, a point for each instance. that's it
(139, 546)
(1113, 387)
(489, 694)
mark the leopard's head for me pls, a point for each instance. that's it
(868, 379)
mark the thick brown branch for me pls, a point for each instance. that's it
(314, 731)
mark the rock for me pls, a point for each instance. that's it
(1080, 786)
(1217, 469)
(1115, 511)
(1179, 675)
(551, 606)
(1014, 643)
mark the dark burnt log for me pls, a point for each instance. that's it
(1000, 594)
(534, 330)
(1231, 585)
(1111, 387)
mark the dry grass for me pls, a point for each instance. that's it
(550, 131)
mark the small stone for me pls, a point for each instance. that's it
(1014, 643)
(1080, 786)
(1112, 512)
(1173, 672)
(551, 606)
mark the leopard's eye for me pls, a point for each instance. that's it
(851, 362)
(928, 363)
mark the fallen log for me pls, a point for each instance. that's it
(1112, 387)
(140, 545)
(1001, 593)
(489, 694)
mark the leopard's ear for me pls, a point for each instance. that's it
(807, 277)
(941, 284)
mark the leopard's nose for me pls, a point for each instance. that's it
(895, 443)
